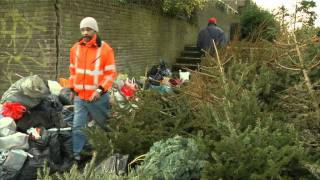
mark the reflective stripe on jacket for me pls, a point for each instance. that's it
(92, 65)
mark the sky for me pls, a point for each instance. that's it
(289, 4)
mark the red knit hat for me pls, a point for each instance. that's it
(212, 20)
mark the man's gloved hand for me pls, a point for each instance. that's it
(96, 95)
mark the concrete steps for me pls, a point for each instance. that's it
(191, 54)
(190, 58)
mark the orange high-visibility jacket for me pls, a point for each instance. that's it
(92, 66)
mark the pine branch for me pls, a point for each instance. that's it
(307, 78)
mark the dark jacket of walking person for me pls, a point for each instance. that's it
(211, 32)
(92, 72)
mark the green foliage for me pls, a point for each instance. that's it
(259, 153)
(175, 158)
(182, 7)
(298, 103)
(76, 173)
(305, 34)
(257, 23)
(238, 109)
(158, 117)
(305, 13)
(249, 91)
(44, 174)
(144, 2)
(282, 14)
(252, 116)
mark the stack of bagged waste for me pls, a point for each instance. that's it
(53, 146)
(28, 91)
(38, 103)
(33, 128)
(160, 78)
(13, 147)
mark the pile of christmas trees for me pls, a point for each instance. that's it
(252, 112)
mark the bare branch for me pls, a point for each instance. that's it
(285, 67)
(314, 58)
(229, 59)
(290, 58)
(315, 65)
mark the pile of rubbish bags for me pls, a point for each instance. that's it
(33, 129)
(36, 119)
(159, 78)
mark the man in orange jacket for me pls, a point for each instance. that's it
(92, 72)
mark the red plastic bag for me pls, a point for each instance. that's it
(129, 88)
(131, 84)
(175, 82)
(13, 110)
(127, 91)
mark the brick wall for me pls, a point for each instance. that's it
(138, 36)
(27, 35)
(37, 35)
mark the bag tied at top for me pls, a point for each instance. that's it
(13, 110)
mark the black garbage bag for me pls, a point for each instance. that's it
(155, 76)
(157, 72)
(61, 147)
(31, 166)
(66, 151)
(54, 146)
(116, 164)
(66, 96)
(50, 102)
(47, 114)
(8, 174)
(41, 150)
(56, 149)
(35, 119)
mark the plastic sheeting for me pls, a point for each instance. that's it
(14, 141)
(116, 164)
(7, 126)
(28, 91)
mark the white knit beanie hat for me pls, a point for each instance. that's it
(89, 22)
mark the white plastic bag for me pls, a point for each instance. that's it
(54, 87)
(184, 76)
(15, 159)
(14, 141)
(120, 100)
(7, 126)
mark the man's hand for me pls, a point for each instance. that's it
(95, 96)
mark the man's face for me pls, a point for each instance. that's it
(87, 33)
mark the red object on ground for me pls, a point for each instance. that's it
(13, 110)
(175, 82)
(129, 88)
(127, 91)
